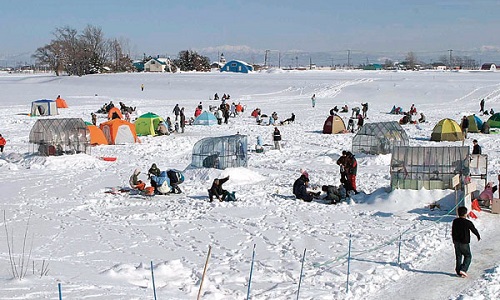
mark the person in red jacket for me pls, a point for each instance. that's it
(351, 169)
(2, 143)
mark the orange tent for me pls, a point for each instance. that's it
(96, 135)
(119, 131)
(114, 110)
(61, 103)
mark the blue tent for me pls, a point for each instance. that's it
(44, 107)
(205, 118)
(475, 123)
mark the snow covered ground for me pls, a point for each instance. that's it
(100, 245)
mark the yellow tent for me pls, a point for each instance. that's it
(447, 130)
(334, 124)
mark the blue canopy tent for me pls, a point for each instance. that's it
(205, 118)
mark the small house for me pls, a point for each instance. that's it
(158, 64)
(237, 66)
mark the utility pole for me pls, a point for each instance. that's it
(265, 58)
(279, 60)
(450, 57)
(348, 59)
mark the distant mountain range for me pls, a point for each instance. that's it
(294, 58)
(297, 58)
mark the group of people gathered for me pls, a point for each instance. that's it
(333, 194)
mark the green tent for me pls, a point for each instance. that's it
(494, 121)
(475, 123)
(147, 124)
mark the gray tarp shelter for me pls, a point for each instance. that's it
(428, 167)
(221, 152)
(379, 138)
(60, 136)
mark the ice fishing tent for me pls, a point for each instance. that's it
(475, 123)
(119, 131)
(115, 113)
(60, 136)
(447, 130)
(428, 167)
(205, 118)
(44, 107)
(147, 123)
(220, 152)
(379, 138)
(334, 124)
(494, 121)
(61, 103)
(96, 135)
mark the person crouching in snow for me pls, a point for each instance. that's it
(300, 189)
(217, 190)
(134, 181)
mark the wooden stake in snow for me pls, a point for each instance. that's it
(204, 271)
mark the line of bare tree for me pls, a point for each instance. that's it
(88, 52)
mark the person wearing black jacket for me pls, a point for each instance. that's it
(277, 138)
(460, 232)
(217, 190)
(465, 126)
(476, 149)
(300, 189)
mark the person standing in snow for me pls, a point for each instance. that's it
(182, 120)
(277, 138)
(2, 143)
(351, 169)
(481, 106)
(476, 149)
(313, 100)
(342, 162)
(142, 87)
(364, 109)
(176, 111)
(465, 126)
(460, 232)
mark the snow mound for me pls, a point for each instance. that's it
(172, 275)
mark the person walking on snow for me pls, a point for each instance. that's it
(313, 100)
(460, 232)
(277, 138)
(481, 106)
(142, 87)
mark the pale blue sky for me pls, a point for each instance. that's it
(167, 26)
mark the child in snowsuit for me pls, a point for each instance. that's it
(134, 181)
